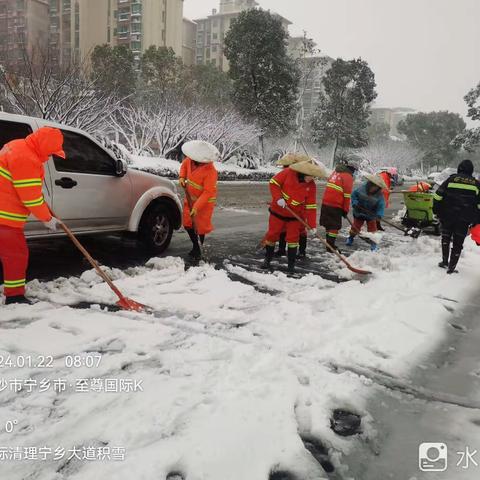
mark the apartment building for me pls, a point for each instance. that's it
(390, 116)
(77, 26)
(23, 26)
(211, 32)
(189, 42)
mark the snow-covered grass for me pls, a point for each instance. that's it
(231, 376)
(170, 169)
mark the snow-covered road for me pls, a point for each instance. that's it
(223, 382)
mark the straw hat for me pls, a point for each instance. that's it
(292, 158)
(201, 151)
(310, 169)
(376, 180)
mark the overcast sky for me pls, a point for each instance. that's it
(425, 53)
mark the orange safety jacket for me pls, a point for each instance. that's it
(338, 192)
(201, 184)
(388, 182)
(22, 174)
(301, 197)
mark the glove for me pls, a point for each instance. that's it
(194, 212)
(282, 203)
(313, 231)
(52, 224)
(183, 182)
(344, 214)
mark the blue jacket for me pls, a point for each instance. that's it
(372, 203)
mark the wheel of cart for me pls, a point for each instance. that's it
(419, 212)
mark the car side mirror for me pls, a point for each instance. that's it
(120, 168)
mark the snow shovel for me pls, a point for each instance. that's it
(413, 232)
(123, 302)
(329, 247)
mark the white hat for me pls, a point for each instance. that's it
(201, 151)
(310, 169)
(376, 180)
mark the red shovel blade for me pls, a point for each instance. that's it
(132, 305)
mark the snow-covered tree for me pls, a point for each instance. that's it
(433, 134)
(265, 78)
(67, 95)
(135, 128)
(470, 138)
(342, 116)
(390, 153)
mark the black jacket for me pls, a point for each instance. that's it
(458, 198)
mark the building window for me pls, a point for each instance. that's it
(136, 9)
(215, 36)
(136, 27)
(214, 48)
(136, 46)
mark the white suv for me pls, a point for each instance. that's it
(95, 193)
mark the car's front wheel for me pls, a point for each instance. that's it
(156, 228)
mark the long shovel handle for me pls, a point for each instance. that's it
(90, 259)
(307, 226)
(383, 219)
(190, 206)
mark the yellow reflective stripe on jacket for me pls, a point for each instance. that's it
(335, 187)
(13, 216)
(15, 283)
(34, 203)
(5, 174)
(463, 186)
(28, 182)
(312, 206)
(285, 196)
(293, 245)
(437, 197)
(274, 182)
(296, 204)
(347, 195)
(212, 200)
(195, 185)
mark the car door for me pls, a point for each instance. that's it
(17, 127)
(88, 194)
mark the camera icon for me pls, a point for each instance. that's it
(432, 457)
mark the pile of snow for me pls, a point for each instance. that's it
(230, 376)
(170, 169)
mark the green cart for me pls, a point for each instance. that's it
(420, 211)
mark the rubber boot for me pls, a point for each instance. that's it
(195, 252)
(379, 226)
(269, 252)
(292, 256)
(454, 258)
(302, 251)
(282, 246)
(331, 241)
(445, 252)
(18, 299)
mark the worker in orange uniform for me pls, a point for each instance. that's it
(21, 179)
(292, 189)
(420, 187)
(285, 162)
(198, 176)
(386, 176)
(337, 197)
